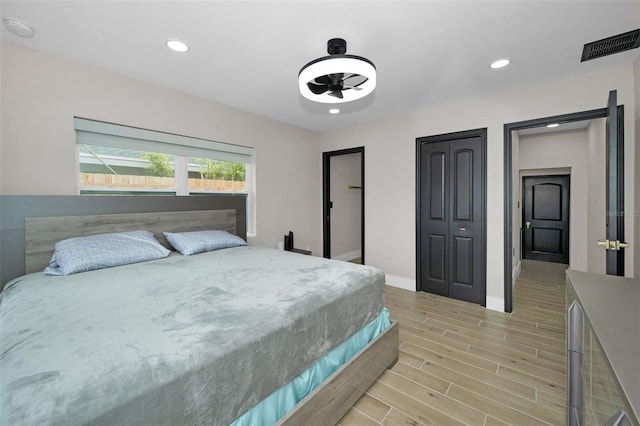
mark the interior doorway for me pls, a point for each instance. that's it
(613, 144)
(343, 204)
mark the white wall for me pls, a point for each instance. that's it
(564, 150)
(41, 94)
(390, 146)
(346, 227)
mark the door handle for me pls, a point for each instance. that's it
(527, 224)
(614, 245)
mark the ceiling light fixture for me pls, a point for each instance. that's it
(334, 111)
(552, 125)
(177, 46)
(337, 78)
(500, 63)
(19, 28)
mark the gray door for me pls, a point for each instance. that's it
(434, 218)
(615, 187)
(451, 216)
(545, 218)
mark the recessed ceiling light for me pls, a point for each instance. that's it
(552, 125)
(500, 63)
(177, 46)
(334, 111)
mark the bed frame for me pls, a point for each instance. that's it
(330, 401)
(326, 404)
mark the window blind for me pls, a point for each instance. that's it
(92, 132)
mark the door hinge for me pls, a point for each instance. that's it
(614, 245)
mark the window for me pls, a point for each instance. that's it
(122, 160)
(113, 170)
(208, 174)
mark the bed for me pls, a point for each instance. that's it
(202, 339)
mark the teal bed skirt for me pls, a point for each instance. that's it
(276, 405)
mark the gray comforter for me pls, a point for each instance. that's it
(183, 340)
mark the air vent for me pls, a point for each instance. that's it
(611, 45)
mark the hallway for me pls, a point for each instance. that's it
(539, 295)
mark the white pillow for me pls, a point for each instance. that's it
(99, 251)
(189, 243)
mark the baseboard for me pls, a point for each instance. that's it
(348, 256)
(400, 282)
(516, 273)
(495, 304)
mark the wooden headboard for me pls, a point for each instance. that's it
(42, 233)
(31, 225)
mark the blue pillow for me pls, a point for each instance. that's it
(200, 241)
(99, 251)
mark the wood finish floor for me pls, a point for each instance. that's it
(461, 364)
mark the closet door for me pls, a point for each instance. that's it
(467, 272)
(451, 244)
(434, 218)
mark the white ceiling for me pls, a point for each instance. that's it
(247, 54)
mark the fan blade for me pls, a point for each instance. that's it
(356, 82)
(336, 94)
(323, 79)
(352, 87)
(317, 89)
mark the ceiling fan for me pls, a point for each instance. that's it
(338, 77)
